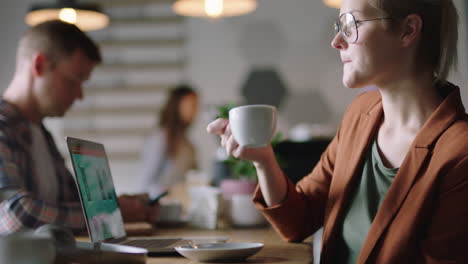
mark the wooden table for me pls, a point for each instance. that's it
(275, 250)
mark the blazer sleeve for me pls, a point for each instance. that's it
(302, 212)
(447, 236)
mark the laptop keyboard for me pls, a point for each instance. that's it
(150, 243)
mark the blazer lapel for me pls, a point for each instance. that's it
(447, 112)
(395, 197)
(341, 188)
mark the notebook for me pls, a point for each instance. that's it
(100, 205)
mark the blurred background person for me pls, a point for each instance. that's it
(167, 153)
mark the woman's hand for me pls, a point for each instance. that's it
(270, 176)
(222, 128)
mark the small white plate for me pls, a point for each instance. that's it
(219, 252)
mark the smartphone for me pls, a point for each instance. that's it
(157, 198)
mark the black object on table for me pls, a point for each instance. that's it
(299, 158)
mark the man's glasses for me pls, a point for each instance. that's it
(348, 26)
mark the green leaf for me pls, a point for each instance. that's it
(223, 110)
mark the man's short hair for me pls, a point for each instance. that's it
(57, 40)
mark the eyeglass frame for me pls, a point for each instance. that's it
(339, 26)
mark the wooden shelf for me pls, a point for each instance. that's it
(120, 132)
(143, 43)
(117, 110)
(126, 89)
(167, 65)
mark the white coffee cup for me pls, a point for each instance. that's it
(253, 126)
(26, 247)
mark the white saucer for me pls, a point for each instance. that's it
(219, 252)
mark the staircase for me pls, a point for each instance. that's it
(143, 55)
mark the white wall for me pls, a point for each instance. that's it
(461, 76)
(11, 27)
(218, 66)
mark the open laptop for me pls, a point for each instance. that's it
(100, 204)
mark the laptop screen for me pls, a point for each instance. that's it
(96, 188)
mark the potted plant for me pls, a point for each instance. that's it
(239, 183)
(243, 173)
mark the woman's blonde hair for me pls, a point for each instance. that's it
(439, 33)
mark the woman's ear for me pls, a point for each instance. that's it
(39, 62)
(411, 29)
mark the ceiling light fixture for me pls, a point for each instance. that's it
(214, 8)
(333, 3)
(86, 16)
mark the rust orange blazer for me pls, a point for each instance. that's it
(424, 216)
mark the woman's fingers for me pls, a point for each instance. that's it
(237, 152)
(222, 128)
(218, 126)
(231, 145)
(225, 136)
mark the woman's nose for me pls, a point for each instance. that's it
(338, 42)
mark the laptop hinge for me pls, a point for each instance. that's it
(97, 246)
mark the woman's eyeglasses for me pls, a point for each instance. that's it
(348, 26)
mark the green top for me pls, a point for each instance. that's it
(368, 195)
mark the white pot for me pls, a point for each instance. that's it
(243, 213)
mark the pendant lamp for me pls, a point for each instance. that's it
(86, 16)
(333, 3)
(214, 8)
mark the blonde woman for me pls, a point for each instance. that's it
(392, 185)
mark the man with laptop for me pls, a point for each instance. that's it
(53, 60)
(102, 212)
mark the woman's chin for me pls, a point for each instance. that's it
(353, 83)
(350, 84)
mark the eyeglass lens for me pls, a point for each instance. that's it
(346, 24)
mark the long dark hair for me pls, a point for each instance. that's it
(170, 119)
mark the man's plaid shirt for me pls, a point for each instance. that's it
(20, 206)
